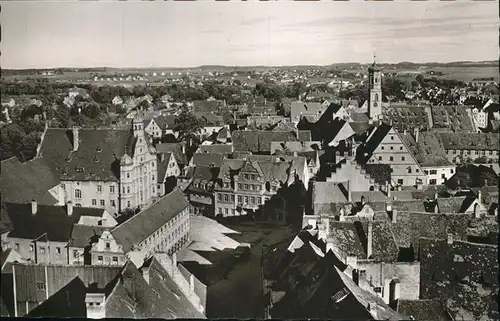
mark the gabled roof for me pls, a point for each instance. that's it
(160, 298)
(162, 167)
(165, 121)
(470, 141)
(207, 159)
(84, 235)
(215, 148)
(53, 220)
(428, 151)
(430, 309)
(97, 156)
(140, 226)
(23, 182)
(373, 142)
(260, 141)
(463, 274)
(175, 148)
(204, 174)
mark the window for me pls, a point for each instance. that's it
(400, 181)
(246, 199)
(491, 152)
(63, 186)
(219, 197)
(400, 147)
(246, 176)
(40, 286)
(220, 210)
(454, 151)
(433, 172)
(432, 181)
(42, 249)
(226, 198)
(392, 137)
(78, 205)
(99, 259)
(239, 198)
(226, 211)
(108, 246)
(403, 158)
(252, 200)
(451, 171)
(382, 148)
(417, 170)
(75, 253)
(128, 203)
(102, 202)
(128, 175)
(239, 186)
(246, 186)
(152, 164)
(113, 202)
(16, 246)
(232, 198)
(99, 188)
(94, 202)
(443, 176)
(111, 189)
(153, 189)
(380, 158)
(78, 193)
(58, 250)
(426, 172)
(409, 170)
(392, 147)
(391, 158)
(232, 211)
(128, 189)
(123, 190)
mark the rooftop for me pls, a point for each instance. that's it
(470, 141)
(136, 229)
(260, 141)
(428, 151)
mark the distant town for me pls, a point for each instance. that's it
(341, 192)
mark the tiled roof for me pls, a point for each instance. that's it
(5, 223)
(165, 121)
(84, 235)
(470, 141)
(384, 246)
(454, 204)
(428, 151)
(295, 146)
(298, 108)
(431, 309)
(359, 117)
(407, 117)
(23, 182)
(464, 275)
(161, 298)
(207, 159)
(325, 194)
(142, 225)
(453, 117)
(215, 148)
(260, 141)
(204, 174)
(411, 226)
(52, 220)
(209, 119)
(347, 238)
(97, 156)
(175, 148)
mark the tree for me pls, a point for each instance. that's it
(11, 141)
(29, 146)
(187, 125)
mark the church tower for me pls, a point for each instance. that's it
(375, 97)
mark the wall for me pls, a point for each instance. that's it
(359, 181)
(140, 177)
(106, 220)
(454, 154)
(112, 255)
(446, 171)
(55, 252)
(89, 192)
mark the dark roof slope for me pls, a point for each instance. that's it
(470, 141)
(140, 226)
(53, 220)
(97, 156)
(215, 148)
(260, 141)
(207, 159)
(23, 182)
(463, 274)
(175, 148)
(365, 151)
(428, 310)
(428, 151)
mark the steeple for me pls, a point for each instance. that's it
(375, 96)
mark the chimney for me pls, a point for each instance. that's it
(387, 291)
(372, 307)
(95, 305)
(34, 207)
(416, 135)
(191, 283)
(395, 291)
(174, 263)
(388, 189)
(363, 200)
(394, 216)
(479, 196)
(436, 207)
(69, 207)
(369, 240)
(145, 273)
(183, 148)
(449, 239)
(294, 154)
(477, 213)
(349, 192)
(76, 138)
(388, 206)
(485, 182)
(435, 196)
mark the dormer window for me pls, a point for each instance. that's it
(98, 149)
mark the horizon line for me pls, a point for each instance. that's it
(260, 66)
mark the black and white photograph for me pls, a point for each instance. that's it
(333, 160)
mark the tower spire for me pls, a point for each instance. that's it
(374, 58)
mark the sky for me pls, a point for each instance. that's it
(48, 34)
